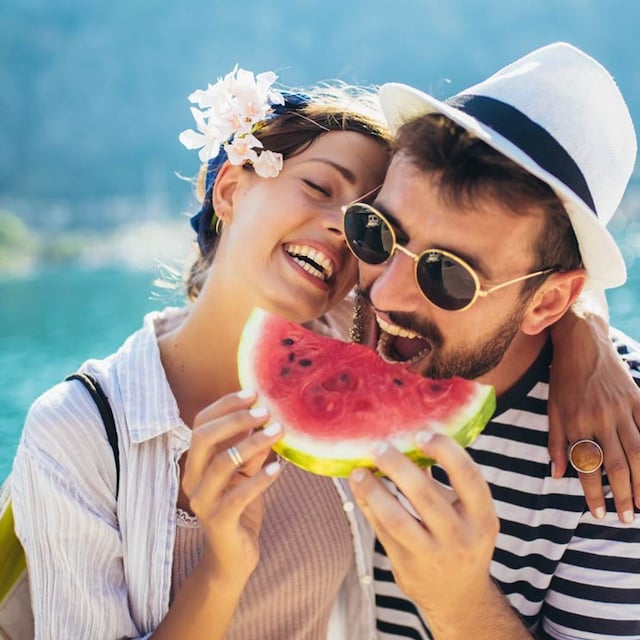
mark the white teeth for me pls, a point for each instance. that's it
(309, 269)
(395, 330)
(326, 268)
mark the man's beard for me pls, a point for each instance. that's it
(465, 361)
(474, 361)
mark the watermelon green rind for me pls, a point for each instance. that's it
(342, 467)
(338, 459)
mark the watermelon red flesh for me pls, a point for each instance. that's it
(336, 399)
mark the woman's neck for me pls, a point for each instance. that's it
(199, 356)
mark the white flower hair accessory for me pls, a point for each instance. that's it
(226, 116)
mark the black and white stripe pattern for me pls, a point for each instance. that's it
(569, 575)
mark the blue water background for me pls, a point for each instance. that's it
(54, 320)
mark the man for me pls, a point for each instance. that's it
(491, 218)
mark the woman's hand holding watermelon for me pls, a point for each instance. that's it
(224, 496)
(440, 560)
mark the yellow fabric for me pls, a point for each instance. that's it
(12, 559)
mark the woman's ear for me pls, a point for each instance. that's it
(225, 189)
(552, 300)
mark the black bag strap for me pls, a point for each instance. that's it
(102, 402)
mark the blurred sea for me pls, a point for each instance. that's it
(52, 321)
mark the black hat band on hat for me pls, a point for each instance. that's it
(530, 137)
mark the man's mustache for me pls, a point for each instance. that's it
(409, 321)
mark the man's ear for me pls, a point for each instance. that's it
(225, 190)
(552, 300)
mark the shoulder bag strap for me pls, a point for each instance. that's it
(102, 402)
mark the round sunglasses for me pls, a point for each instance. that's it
(442, 277)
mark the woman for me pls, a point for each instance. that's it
(140, 566)
(195, 546)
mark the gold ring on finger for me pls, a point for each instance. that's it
(586, 456)
(235, 456)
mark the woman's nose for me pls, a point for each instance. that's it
(332, 220)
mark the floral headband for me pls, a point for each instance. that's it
(229, 110)
(228, 114)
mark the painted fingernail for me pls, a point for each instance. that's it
(272, 468)
(600, 513)
(357, 475)
(272, 429)
(627, 517)
(245, 394)
(381, 448)
(258, 412)
(423, 437)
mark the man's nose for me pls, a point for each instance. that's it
(393, 284)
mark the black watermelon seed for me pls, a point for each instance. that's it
(305, 362)
(285, 371)
(287, 341)
(292, 357)
(398, 382)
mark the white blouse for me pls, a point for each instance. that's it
(104, 569)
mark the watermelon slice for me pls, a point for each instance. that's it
(336, 400)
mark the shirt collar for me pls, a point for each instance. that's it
(538, 372)
(151, 409)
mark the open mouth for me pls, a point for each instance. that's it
(311, 260)
(397, 344)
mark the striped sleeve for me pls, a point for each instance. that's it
(595, 590)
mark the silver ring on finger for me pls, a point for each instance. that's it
(586, 456)
(235, 456)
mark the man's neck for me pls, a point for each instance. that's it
(520, 355)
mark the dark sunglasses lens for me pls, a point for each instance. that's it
(368, 234)
(445, 281)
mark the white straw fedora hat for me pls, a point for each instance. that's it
(558, 114)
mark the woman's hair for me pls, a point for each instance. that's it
(468, 169)
(326, 108)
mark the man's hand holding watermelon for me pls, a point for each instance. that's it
(440, 558)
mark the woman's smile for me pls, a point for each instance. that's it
(312, 260)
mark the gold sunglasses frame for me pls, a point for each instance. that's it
(479, 291)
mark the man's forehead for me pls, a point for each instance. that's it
(411, 199)
(409, 191)
(408, 194)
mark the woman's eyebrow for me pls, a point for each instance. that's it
(346, 173)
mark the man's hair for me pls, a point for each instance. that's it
(331, 107)
(468, 169)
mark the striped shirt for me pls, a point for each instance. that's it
(569, 575)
